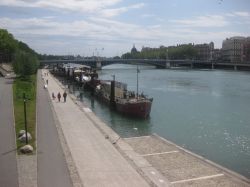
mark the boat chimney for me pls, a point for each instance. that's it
(112, 92)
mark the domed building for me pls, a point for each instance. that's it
(134, 50)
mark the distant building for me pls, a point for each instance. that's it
(216, 56)
(204, 51)
(134, 50)
(146, 49)
(232, 49)
(246, 50)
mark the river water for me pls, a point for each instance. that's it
(204, 111)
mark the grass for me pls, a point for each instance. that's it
(25, 85)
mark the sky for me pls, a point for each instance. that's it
(112, 27)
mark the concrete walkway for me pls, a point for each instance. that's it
(8, 162)
(97, 161)
(52, 169)
(182, 167)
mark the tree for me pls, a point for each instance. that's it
(23, 58)
(25, 64)
(8, 46)
(24, 47)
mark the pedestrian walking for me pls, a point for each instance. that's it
(47, 81)
(53, 96)
(65, 96)
(59, 96)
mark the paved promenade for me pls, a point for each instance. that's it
(52, 169)
(8, 163)
(181, 167)
(102, 158)
(97, 160)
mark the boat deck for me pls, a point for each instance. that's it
(181, 167)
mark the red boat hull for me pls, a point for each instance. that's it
(139, 109)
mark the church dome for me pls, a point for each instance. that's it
(133, 50)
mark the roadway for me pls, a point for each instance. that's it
(8, 162)
(52, 168)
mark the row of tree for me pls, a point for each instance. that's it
(174, 52)
(24, 59)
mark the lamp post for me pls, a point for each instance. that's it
(25, 118)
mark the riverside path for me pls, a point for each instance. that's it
(52, 168)
(96, 159)
(8, 163)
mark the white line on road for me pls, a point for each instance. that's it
(87, 110)
(136, 137)
(199, 178)
(152, 154)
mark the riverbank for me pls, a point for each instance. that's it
(147, 168)
(182, 167)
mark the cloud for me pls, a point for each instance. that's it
(70, 5)
(99, 29)
(203, 21)
(41, 33)
(230, 15)
(91, 28)
(45, 26)
(239, 18)
(148, 16)
(97, 7)
(117, 11)
(242, 14)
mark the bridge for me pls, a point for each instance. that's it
(158, 63)
(99, 63)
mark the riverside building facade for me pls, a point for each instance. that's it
(236, 49)
(246, 50)
(204, 51)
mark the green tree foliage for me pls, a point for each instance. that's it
(23, 58)
(24, 47)
(8, 46)
(25, 64)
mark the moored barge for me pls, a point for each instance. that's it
(126, 102)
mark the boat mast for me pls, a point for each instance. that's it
(112, 92)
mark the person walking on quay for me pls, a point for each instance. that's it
(53, 96)
(59, 96)
(64, 96)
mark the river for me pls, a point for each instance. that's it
(204, 111)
